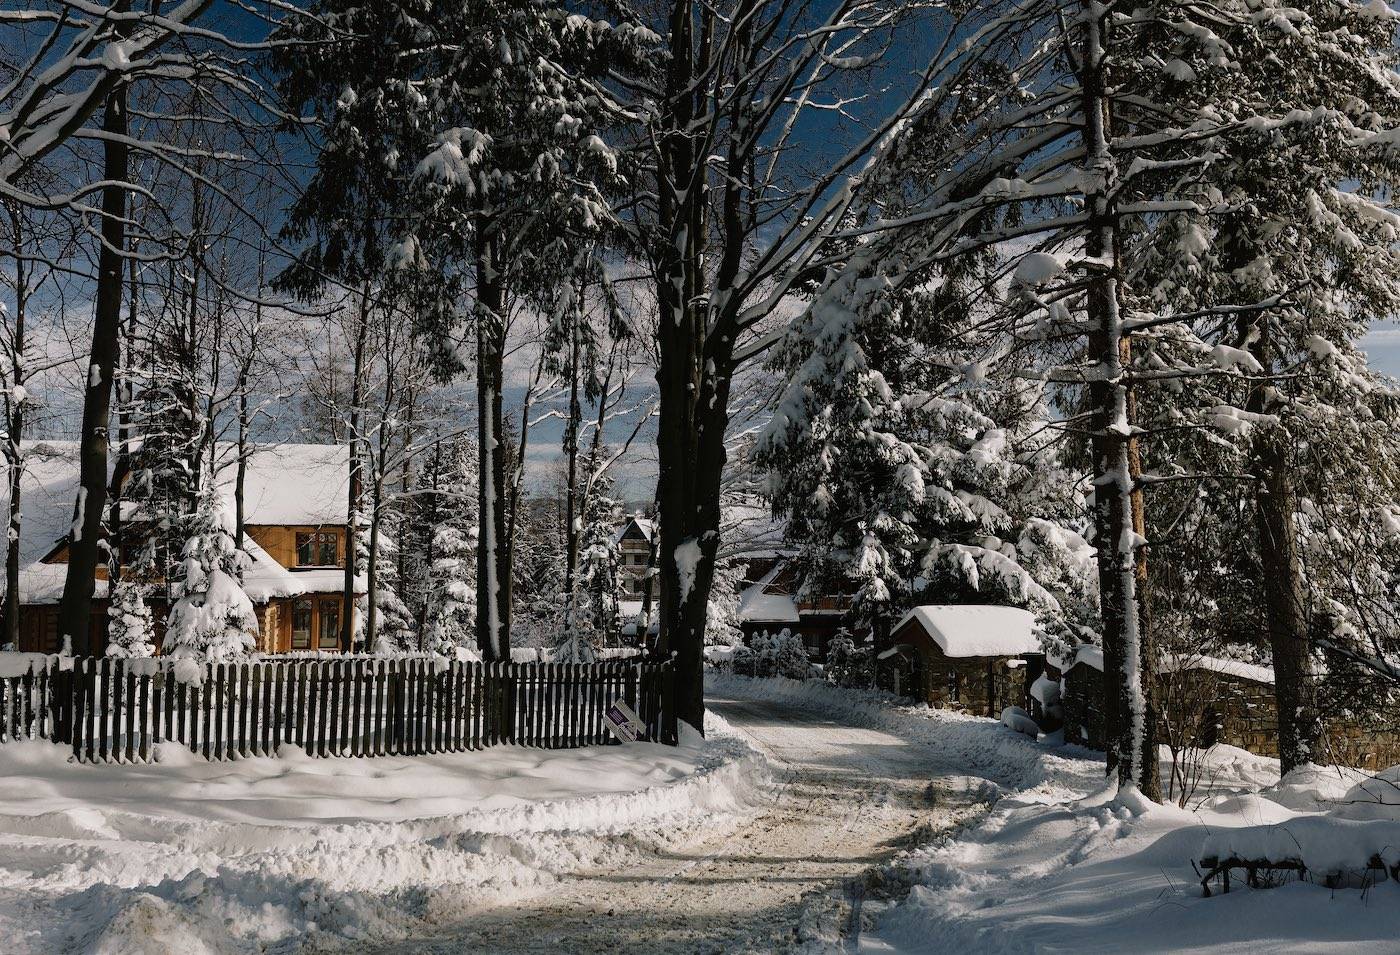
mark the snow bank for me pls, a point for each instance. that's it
(268, 853)
(1322, 843)
(1062, 863)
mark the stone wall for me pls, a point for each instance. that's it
(979, 685)
(1202, 707)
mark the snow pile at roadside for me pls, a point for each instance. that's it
(192, 856)
(1062, 864)
(1099, 874)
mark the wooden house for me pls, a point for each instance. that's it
(971, 657)
(295, 501)
(775, 600)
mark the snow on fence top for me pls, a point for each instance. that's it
(1321, 843)
(977, 630)
(1235, 668)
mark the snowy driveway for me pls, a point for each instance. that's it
(791, 877)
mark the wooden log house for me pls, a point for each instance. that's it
(295, 501)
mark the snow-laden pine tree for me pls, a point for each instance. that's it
(443, 542)
(592, 620)
(395, 622)
(450, 620)
(906, 477)
(1292, 214)
(130, 625)
(722, 614)
(212, 619)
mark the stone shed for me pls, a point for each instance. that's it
(971, 657)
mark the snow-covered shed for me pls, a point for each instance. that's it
(295, 503)
(966, 656)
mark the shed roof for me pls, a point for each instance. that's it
(976, 630)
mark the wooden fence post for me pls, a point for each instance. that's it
(670, 734)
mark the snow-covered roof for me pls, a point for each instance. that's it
(645, 526)
(41, 583)
(1244, 671)
(756, 605)
(977, 630)
(284, 484)
(264, 578)
(325, 580)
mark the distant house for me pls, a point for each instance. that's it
(774, 600)
(971, 657)
(635, 540)
(295, 501)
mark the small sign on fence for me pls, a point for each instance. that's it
(624, 722)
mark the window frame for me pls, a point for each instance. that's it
(300, 606)
(316, 544)
(333, 606)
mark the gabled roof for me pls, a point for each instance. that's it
(767, 602)
(645, 529)
(976, 630)
(284, 484)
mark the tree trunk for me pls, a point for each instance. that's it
(572, 512)
(1276, 503)
(75, 609)
(14, 453)
(1281, 563)
(1129, 665)
(356, 484)
(493, 571)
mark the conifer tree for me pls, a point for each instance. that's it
(130, 626)
(212, 619)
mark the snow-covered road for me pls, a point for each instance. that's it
(792, 876)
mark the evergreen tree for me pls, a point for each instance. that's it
(212, 619)
(130, 626)
(906, 477)
(443, 543)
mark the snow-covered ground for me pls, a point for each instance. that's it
(1061, 864)
(821, 820)
(187, 856)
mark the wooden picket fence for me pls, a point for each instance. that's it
(113, 710)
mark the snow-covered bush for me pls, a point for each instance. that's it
(212, 618)
(849, 665)
(781, 654)
(130, 626)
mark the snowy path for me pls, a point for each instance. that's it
(848, 799)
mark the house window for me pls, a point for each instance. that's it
(330, 625)
(301, 625)
(317, 549)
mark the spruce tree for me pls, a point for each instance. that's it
(212, 619)
(130, 626)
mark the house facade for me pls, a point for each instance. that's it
(774, 600)
(294, 504)
(636, 539)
